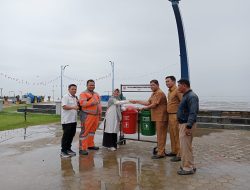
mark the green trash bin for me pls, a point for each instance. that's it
(147, 127)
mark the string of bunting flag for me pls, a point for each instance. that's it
(48, 82)
(25, 82)
(80, 80)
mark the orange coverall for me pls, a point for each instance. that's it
(90, 115)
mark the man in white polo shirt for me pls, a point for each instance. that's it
(69, 120)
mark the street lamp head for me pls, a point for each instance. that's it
(112, 63)
(65, 66)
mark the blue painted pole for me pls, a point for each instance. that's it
(182, 41)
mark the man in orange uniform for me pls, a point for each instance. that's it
(90, 116)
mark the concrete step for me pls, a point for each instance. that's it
(224, 120)
(222, 126)
(243, 114)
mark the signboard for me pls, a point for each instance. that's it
(136, 88)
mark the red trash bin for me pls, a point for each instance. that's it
(129, 120)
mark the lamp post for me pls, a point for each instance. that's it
(1, 92)
(53, 92)
(182, 42)
(62, 69)
(113, 75)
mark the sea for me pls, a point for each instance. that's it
(225, 105)
(212, 103)
(216, 105)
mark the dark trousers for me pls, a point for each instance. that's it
(69, 131)
(109, 140)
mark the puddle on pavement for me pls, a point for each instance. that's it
(107, 172)
(18, 141)
(27, 134)
(130, 168)
(39, 132)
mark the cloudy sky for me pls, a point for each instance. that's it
(140, 36)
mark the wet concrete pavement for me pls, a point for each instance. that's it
(222, 158)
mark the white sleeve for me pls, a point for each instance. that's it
(64, 101)
(121, 102)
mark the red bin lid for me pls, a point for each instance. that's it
(131, 109)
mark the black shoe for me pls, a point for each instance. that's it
(170, 154)
(65, 155)
(71, 152)
(83, 152)
(157, 157)
(184, 172)
(93, 148)
(194, 170)
(155, 151)
(175, 159)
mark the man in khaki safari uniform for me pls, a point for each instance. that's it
(157, 103)
(174, 99)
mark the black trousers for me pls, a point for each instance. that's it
(109, 140)
(69, 131)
